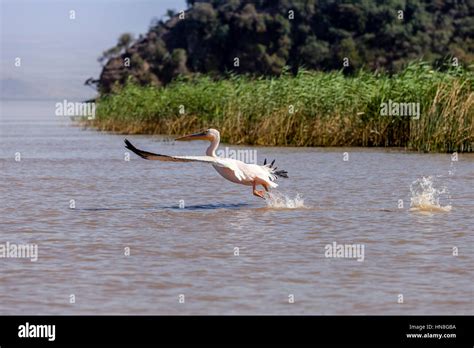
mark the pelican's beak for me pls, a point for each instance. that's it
(195, 136)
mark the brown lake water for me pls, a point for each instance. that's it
(190, 251)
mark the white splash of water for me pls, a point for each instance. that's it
(452, 169)
(425, 197)
(279, 200)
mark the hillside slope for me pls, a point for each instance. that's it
(262, 37)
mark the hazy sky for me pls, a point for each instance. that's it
(58, 53)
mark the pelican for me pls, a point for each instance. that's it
(233, 170)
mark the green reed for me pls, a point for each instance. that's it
(310, 109)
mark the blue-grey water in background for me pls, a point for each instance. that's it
(135, 204)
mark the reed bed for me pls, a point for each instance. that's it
(309, 109)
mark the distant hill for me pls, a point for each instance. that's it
(263, 36)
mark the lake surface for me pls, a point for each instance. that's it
(283, 242)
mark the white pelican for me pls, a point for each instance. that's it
(231, 169)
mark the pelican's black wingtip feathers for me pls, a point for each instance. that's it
(281, 173)
(142, 154)
(270, 164)
(128, 144)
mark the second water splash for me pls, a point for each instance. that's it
(425, 197)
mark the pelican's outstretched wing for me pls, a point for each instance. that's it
(221, 162)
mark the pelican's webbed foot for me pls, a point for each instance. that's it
(259, 193)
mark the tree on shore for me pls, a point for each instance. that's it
(262, 37)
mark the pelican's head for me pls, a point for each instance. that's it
(211, 134)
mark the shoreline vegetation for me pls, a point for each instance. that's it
(313, 108)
